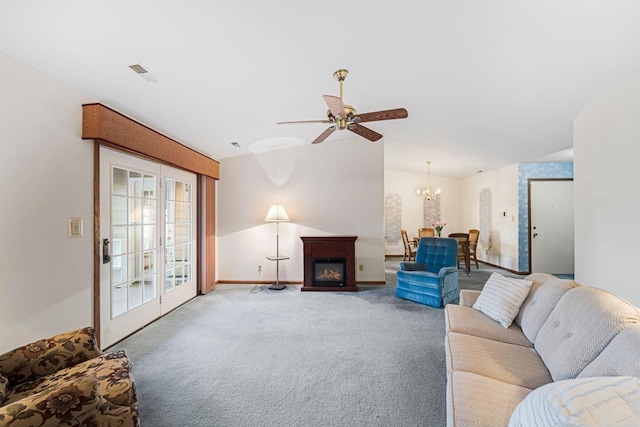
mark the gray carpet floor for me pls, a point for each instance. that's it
(247, 356)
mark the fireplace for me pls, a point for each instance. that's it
(329, 272)
(329, 263)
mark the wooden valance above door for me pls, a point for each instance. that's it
(114, 129)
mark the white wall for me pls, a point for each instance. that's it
(606, 173)
(333, 188)
(405, 184)
(503, 185)
(46, 176)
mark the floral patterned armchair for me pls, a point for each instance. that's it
(66, 380)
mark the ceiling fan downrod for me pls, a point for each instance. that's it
(340, 75)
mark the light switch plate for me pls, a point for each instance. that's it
(76, 226)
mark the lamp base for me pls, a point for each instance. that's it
(277, 287)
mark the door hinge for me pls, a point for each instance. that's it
(160, 299)
(161, 182)
(161, 241)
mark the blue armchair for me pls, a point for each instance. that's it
(433, 278)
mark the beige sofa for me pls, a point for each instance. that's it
(65, 380)
(563, 331)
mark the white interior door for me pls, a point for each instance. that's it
(179, 238)
(147, 231)
(552, 229)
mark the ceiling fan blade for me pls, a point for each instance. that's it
(324, 135)
(365, 132)
(336, 106)
(303, 121)
(398, 113)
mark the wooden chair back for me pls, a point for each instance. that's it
(426, 232)
(473, 243)
(409, 252)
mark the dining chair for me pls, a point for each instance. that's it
(463, 250)
(410, 247)
(426, 232)
(473, 243)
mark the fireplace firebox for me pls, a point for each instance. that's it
(329, 272)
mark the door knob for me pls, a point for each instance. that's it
(535, 235)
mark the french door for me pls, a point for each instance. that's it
(148, 240)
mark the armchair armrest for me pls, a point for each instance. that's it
(412, 266)
(468, 297)
(49, 355)
(53, 406)
(447, 270)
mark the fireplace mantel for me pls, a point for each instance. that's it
(329, 247)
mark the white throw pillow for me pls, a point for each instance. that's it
(501, 298)
(598, 401)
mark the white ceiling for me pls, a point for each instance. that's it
(486, 83)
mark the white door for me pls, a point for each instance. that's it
(148, 242)
(551, 222)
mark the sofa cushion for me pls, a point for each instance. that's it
(477, 401)
(112, 371)
(546, 290)
(597, 402)
(582, 324)
(509, 363)
(68, 404)
(620, 357)
(501, 298)
(466, 320)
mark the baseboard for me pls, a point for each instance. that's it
(521, 273)
(253, 282)
(270, 282)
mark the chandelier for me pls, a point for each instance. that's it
(427, 193)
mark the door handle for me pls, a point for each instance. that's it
(535, 235)
(106, 254)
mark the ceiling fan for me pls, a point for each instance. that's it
(343, 116)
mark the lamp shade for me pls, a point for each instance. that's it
(276, 214)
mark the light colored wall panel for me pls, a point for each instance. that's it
(333, 188)
(46, 170)
(607, 170)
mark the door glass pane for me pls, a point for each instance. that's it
(118, 300)
(119, 240)
(134, 234)
(118, 210)
(135, 293)
(120, 181)
(149, 287)
(169, 276)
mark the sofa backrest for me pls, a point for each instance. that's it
(437, 252)
(619, 358)
(546, 290)
(581, 325)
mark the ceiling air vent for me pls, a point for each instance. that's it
(142, 72)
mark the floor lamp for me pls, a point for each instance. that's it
(277, 214)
